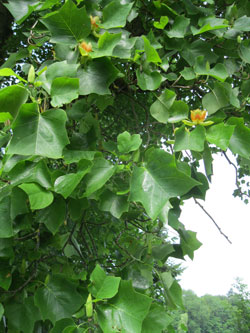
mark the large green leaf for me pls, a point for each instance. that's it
(125, 312)
(10, 72)
(103, 286)
(242, 23)
(219, 71)
(11, 99)
(22, 316)
(64, 90)
(149, 81)
(151, 53)
(244, 51)
(58, 299)
(6, 229)
(189, 242)
(220, 135)
(239, 142)
(115, 14)
(157, 181)
(106, 44)
(66, 184)
(97, 77)
(157, 320)
(61, 324)
(100, 173)
(39, 198)
(127, 143)
(21, 9)
(192, 140)
(115, 204)
(209, 23)
(160, 108)
(28, 172)
(18, 203)
(36, 133)
(216, 99)
(54, 215)
(69, 24)
(179, 27)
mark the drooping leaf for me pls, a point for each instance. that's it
(69, 24)
(10, 72)
(21, 9)
(97, 77)
(100, 173)
(179, 27)
(189, 242)
(127, 143)
(220, 135)
(151, 53)
(22, 316)
(149, 81)
(115, 14)
(192, 140)
(54, 215)
(115, 204)
(126, 311)
(58, 299)
(63, 91)
(103, 286)
(39, 198)
(157, 181)
(66, 184)
(239, 142)
(157, 320)
(11, 99)
(39, 134)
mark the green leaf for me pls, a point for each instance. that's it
(66, 184)
(178, 111)
(188, 73)
(54, 215)
(157, 181)
(21, 9)
(157, 320)
(73, 156)
(97, 77)
(244, 51)
(61, 324)
(151, 54)
(149, 81)
(64, 90)
(209, 23)
(127, 143)
(163, 22)
(11, 99)
(115, 14)
(115, 204)
(6, 229)
(10, 72)
(125, 312)
(242, 23)
(216, 99)
(220, 135)
(22, 316)
(198, 48)
(160, 108)
(103, 286)
(189, 242)
(28, 172)
(39, 198)
(239, 142)
(39, 134)
(192, 140)
(18, 203)
(106, 44)
(58, 299)
(179, 27)
(219, 71)
(1, 311)
(101, 172)
(68, 25)
(124, 48)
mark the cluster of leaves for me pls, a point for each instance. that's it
(98, 154)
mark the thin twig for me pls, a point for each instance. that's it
(212, 219)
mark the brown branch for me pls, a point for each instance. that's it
(212, 219)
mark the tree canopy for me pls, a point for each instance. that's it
(107, 110)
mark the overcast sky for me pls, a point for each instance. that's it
(217, 263)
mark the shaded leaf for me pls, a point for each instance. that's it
(64, 90)
(39, 198)
(157, 320)
(115, 204)
(6, 229)
(179, 27)
(149, 81)
(115, 14)
(192, 140)
(11, 99)
(127, 143)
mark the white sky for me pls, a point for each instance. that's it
(216, 263)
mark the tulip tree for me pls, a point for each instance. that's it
(103, 129)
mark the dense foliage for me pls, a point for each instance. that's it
(220, 314)
(100, 150)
